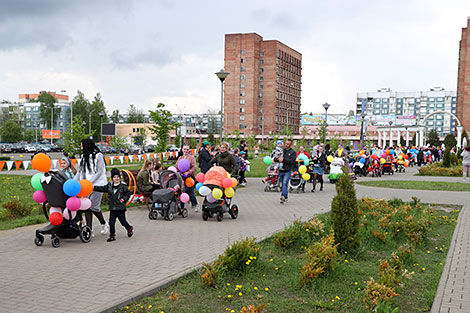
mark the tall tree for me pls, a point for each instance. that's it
(96, 108)
(10, 131)
(450, 141)
(81, 107)
(72, 139)
(162, 127)
(433, 138)
(134, 115)
(115, 116)
(29, 135)
(47, 108)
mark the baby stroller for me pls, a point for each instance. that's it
(296, 182)
(272, 183)
(166, 201)
(217, 207)
(52, 184)
(360, 168)
(387, 167)
(375, 168)
(401, 165)
(335, 169)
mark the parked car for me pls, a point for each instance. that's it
(149, 148)
(6, 148)
(44, 148)
(17, 148)
(30, 148)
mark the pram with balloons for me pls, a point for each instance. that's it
(218, 190)
(61, 198)
(299, 176)
(166, 201)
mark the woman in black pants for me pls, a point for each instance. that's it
(319, 163)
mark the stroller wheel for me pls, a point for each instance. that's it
(266, 188)
(85, 234)
(170, 216)
(184, 213)
(150, 215)
(220, 217)
(205, 216)
(55, 241)
(234, 211)
(39, 240)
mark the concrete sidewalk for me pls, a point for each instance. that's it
(99, 276)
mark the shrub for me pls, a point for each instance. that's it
(406, 253)
(238, 257)
(344, 215)
(209, 274)
(446, 161)
(5, 158)
(321, 257)
(375, 292)
(15, 209)
(435, 169)
(253, 309)
(299, 233)
(385, 307)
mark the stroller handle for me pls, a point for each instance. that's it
(45, 210)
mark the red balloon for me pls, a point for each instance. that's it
(200, 177)
(56, 218)
(227, 183)
(406, 157)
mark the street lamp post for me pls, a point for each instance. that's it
(391, 135)
(326, 106)
(89, 121)
(361, 141)
(101, 126)
(222, 75)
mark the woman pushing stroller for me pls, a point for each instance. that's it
(319, 163)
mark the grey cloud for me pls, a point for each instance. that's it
(126, 60)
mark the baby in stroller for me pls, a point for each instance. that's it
(166, 201)
(272, 183)
(215, 180)
(296, 182)
(375, 167)
(387, 167)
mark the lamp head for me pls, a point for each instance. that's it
(222, 75)
(326, 105)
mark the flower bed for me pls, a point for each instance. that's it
(436, 169)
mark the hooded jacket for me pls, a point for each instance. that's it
(117, 195)
(227, 161)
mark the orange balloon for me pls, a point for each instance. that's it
(41, 162)
(86, 188)
(387, 152)
(189, 182)
(361, 152)
(234, 182)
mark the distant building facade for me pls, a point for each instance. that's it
(463, 80)
(263, 89)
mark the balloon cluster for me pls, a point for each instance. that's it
(303, 171)
(215, 194)
(76, 190)
(304, 158)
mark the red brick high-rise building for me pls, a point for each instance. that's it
(263, 90)
(463, 82)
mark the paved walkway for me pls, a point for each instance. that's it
(100, 276)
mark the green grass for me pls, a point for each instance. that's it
(418, 185)
(339, 291)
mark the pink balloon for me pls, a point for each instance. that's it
(227, 183)
(201, 177)
(39, 196)
(173, 169)
(73, 203)
(384, 155)
(85, 203)
(69, 214)
(55, 209)
(184, 197)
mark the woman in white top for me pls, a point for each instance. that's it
(93, 167)
(465, 162)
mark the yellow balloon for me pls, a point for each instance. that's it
(400, 157)
(382, 160)
(228, 175)
(229, 192)
(217, 193)
(306, 176)
(330, 158)
(302, 169)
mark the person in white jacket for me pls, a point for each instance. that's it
(466, 162)
(93, 167)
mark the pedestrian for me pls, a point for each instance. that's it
(143, 181)
(287, 159)
(225, 159)
(93, 167)
(118, 195)
(243, 147)
(466, 162)
(190, 173)
(67, 167)
(319, 163)
(205, 156)
(155, 173)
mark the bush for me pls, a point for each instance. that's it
(321, 257)
(238, 257)
(5, 158)
(299, 233)
(446, 161)
(209, 274)
(385, 307)
(436, 169)
(344, 215)
(253, 309)
(15, 209)
(376, 292)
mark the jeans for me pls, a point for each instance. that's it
(192, 196)
(121, 216)
(284, 177)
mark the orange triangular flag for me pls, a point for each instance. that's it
(174, 154)
(167, 155)
(135, 157)
(2, 164)
(74, 161)
(127, 158)
(153, 156)
(144, 156)
(107, 160)
(18, 164)
(160, 156)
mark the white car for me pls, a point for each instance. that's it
(30, 148)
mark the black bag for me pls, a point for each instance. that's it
(163, 195)
(52, 183)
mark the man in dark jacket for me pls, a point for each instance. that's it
(243, 147)
(287, 160)
(204, 157)
(118, 195)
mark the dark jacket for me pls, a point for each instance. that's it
(117, 195)
(143, 182)
(227, 161)
(320, 160)
(204, 158)
(289, 160)
(244, 148)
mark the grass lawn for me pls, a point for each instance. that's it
(274, 280)
(419, 185)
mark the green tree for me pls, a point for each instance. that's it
(323, 131)
(211, 138)
(139, 139)
(81, 107)
(433, 138)
(29, 135)
(96, 108)
(47, 108)
(10, 131)
(344, 216)
(178, 140)
(119, 143)
(162, 127)
(446, 159)
(72, 139)
(134, 115)
(450, 141)
(193, 143)
(115, 116)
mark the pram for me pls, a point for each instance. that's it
(272, 183)
(375, 168)
(387, 167)
(400, 165)
(361, 168)
(296, 182)
(335, 169)
(166, 201)
(52, 183)
(214, 178)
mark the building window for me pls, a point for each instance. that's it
(260, 118)
(61, 124)
(28, 109)
(242, 93)
(260, 110)
(242, 117)
(243, 60)
(261, 53)
(261, 78)
(261, 70)
(28, 115)
(242, 77)
(242, 126)
(242, 68)
(242, 110)
(243, 52)
(242, 85)
(260, 86)
(242, 101)
(261, 102)
(261, 95)
(261, 61)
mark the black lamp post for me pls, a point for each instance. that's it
(222, 75)
(326, 105)
(361, 141)
(101, 128)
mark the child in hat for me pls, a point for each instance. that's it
(118, 195)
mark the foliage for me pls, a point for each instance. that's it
(96, 108)
(433, 138)
(81, 107)
(323, 131)
(178, 140)
(320, 257)
(115, 116)
(376, 292)
(299, 233)
(5, 158)
(193, 143)
(29, 135)
(417, 185)
(211, 138)
(253, 308)
(119, 143)
(139, 139)
(72, 139)
(344, 217)
(334, 142)
(385, 307)
(251, 141)
(10, 131)
(162, 127)
(47, 105)
(134, 115)
(209, 274)
(238, 257)
(16, 209)
(450, 141)
(435, 169)
(446, 159)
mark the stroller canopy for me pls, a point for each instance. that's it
(215, 176)
(169, 179)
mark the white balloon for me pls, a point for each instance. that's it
(68, 214)
(204, 191)
(55, 209)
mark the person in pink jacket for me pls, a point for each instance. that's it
(189, 173)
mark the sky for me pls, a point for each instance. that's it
(149, 51)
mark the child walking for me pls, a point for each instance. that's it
(118, 195)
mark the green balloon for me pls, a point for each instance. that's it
(267, 160)
(36, 181)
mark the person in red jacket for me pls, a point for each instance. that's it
(302, 151)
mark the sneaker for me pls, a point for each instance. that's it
(196, 208)
(287, 200)
(92, 233)
(111, 238)
(264, 182)
(130, 232)
(104, 228)
(283, 200)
